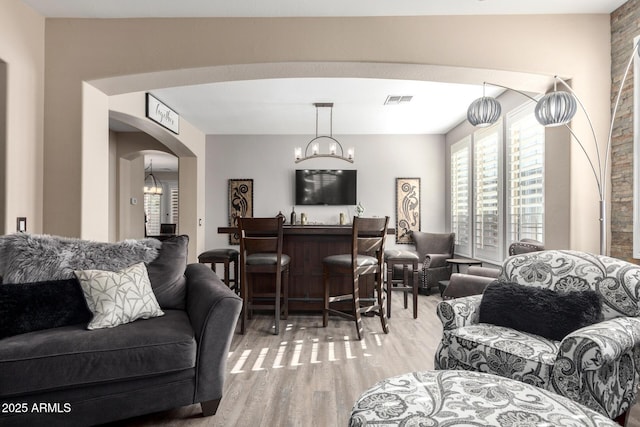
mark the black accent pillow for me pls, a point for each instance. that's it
(539, 311)
(34, 306)
(166, 273)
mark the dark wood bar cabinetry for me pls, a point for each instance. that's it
(307, 245)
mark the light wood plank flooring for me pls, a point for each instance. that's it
(310, 375)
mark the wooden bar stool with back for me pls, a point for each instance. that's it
(367, 256)
(261, 245)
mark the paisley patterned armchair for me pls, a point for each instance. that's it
(596, 366)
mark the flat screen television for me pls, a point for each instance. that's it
(326, 187)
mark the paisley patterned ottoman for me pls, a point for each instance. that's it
(455, 398)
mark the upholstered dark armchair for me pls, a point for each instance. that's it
(433, 249)
(476, 279)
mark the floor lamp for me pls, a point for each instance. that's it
(557, 108)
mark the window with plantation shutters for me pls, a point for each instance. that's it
(497, 188)
(525, 175)
(488, 219)
(174, 203)
(152, 213)
(461, 195)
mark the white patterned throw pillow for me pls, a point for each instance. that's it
(116, 298)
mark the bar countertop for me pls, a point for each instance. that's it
(311, 229)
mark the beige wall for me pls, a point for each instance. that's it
(80, 51)
(22, 50)
(188, 146)
(83, 50)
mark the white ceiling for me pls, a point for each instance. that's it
(161, 162)
(285, 106)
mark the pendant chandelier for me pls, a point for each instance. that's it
(334, 148)
(152, 184)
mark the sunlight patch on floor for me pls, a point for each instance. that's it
(296, 353)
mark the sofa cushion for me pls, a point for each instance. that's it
(505, 352)
(72, 356)
(26, 258)
(116, 298)
(42, 305)
(539, 311)
(166, 272)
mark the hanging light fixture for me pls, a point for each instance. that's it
(334, 148)
(484, 111)
(556, 108)
(152, 185)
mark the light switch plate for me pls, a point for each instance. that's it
(21, 224)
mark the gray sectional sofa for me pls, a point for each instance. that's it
(68, 375)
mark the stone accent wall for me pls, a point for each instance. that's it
(625, 25)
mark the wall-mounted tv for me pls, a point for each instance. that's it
(326, 187)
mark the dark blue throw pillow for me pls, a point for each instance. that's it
(41, 305)
(539, 311)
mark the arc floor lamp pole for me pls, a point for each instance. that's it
(557, 108)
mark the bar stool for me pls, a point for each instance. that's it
(406, 259)
(223, 256)
(261, 245)
(368, 236)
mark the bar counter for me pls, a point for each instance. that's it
(307, 245)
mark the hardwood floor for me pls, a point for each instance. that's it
(310, 375)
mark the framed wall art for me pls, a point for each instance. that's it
(240, 204)
(407, 208)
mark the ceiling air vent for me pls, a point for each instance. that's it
(397, 99)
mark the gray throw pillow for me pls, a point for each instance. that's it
(116, 298)
(166, 273)
(26, 258)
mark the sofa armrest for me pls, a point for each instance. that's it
(459, 312)
(464, 285)
(595, 345)
(213, 310)
(475, 270)
(435, 260)
(597, 366)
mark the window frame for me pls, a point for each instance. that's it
(483, 250)
(463, 240)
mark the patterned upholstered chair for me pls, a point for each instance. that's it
(596, 365)
(433, 250)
